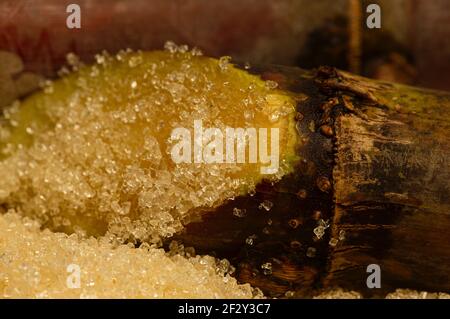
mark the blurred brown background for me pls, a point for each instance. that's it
(413, 45)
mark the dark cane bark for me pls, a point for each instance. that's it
(391, 188)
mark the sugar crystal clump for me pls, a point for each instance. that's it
(266, 205)
(311, 252)
(250, 240)
(239, 212)
(35, 264)
(267, 268)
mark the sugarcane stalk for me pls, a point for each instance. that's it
(375, 164)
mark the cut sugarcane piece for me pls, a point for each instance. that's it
(371, 187)
(117, 147)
